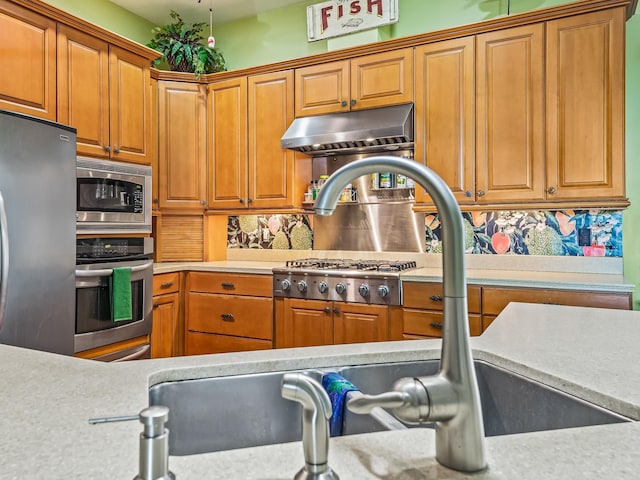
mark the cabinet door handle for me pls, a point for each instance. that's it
(436, 298)
(336, 311)
(343, 103)
(242, 200)
(155, 305)
(166, 284)
(116, 150)
(203, 203)
(228, 285)
(353, 102)
(480, 193)
(326, 310)
(468, 193)
(107, 148)
(227, 317)
(436, 325)
(249, 200)
(551, 190)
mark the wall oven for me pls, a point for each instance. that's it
(112, 197)
(95, 260)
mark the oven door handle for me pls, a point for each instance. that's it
(4, 259)
(137, 354)
(107, 272)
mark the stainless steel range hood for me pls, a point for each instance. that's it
(375, 130)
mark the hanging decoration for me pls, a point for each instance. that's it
(211, 41)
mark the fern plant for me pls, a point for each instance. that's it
(184, 48)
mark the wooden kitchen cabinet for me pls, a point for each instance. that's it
(480, 115)
(423, 309)
(166, 338)
(369, 81)
(585, 106)
(495, 299)
(228, 312)
(305, 323)
(28, 52)
(248, 167)
(104, 91)
(182, 147)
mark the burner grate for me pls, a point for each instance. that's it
(348, 264)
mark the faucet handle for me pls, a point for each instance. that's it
(364, 403)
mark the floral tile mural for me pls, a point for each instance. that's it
(594, 233)
(282, 232)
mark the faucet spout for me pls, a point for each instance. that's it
(459, 433)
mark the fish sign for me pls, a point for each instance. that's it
(341, 17)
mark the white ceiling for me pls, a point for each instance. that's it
(191, 11)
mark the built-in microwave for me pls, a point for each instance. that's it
(112, 197)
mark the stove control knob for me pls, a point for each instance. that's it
(323, 287)
(383, 291)
(364, 290)
(286, 285)
(302, 286)
(341, 288)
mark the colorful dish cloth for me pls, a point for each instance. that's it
(337, 387)
(121, 294)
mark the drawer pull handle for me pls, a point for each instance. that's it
(436, 324)
(227, 317)
(326, 310)
(228, 285)
(436, 298)
(166, 285)
(336, 311)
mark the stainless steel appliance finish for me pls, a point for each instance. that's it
(357, 281)
(154, 445)
(37, 233)
(96, 259)
(112, 197)
(377, 129)
(382, 219)
(451, 397)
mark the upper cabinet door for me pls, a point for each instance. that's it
(182, 131)
(444, 115)
(585, 106)
(130, 101)
(510, 115)
(270, 112)
(382, 79)
(322, 89)
(28, 53)
(83, 89)
(227, 131)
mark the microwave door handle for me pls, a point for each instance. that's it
(107, 272)
(4, 258)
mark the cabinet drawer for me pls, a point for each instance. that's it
(231, 315)
(202, 343)
(429, 323)
(166, 283)
(430, 296)
(231, 283)
(495, 299)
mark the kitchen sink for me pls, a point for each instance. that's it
(224, 413)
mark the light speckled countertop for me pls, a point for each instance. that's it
(592, 353)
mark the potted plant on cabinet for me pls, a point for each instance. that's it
(184, 48)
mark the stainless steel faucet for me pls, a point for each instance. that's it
(316, 412)
(450, 398)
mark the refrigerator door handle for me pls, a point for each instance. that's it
(4, 258)
(107, 272)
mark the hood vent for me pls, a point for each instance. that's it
(375, 130)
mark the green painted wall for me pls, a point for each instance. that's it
(631, 216)
(109, 16)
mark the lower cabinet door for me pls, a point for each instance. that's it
(356, 323)
(165, 325)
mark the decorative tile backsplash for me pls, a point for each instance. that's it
(563, 232)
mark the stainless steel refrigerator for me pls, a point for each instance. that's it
(37, 233)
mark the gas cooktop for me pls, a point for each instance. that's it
(342, 280)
